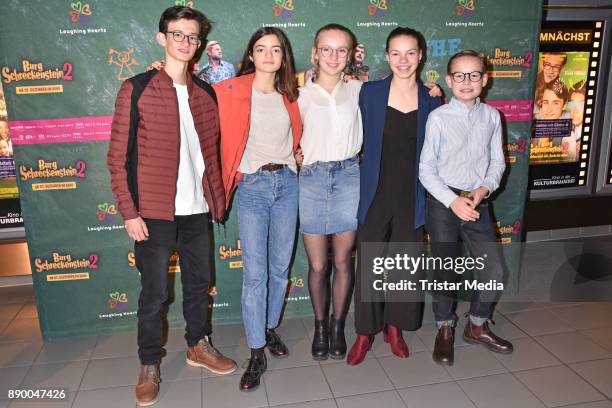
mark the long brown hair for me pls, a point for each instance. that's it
(285, 81)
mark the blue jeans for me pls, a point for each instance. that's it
(444, 226)
(267, 205)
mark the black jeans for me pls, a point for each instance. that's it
(189, 235)
(444, 226)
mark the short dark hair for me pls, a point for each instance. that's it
(181, 12)
(407, 31)
(466, 53)
(285, 81)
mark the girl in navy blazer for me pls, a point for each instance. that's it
(392, 200)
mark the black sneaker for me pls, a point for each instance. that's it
(250, 379)
(276, 346)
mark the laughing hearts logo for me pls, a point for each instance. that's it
(283, 8)
(80, 12)
(106, 212)
(377, 8)
(465, 8)
(184, 3)
(117, 300)
(295, 285)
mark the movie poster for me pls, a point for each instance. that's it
(559, 107)
(10, 213)
(560, 130)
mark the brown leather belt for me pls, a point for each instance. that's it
(272, 167)
(459, 192)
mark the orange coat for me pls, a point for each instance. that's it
(234, 99)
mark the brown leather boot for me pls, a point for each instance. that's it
(444, 347)
(483, 335)
(205, 355)
(148, 385)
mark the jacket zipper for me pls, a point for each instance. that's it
(178, 113)
(213, 204)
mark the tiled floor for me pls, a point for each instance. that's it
(562, 358)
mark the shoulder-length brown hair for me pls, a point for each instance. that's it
(285, 81)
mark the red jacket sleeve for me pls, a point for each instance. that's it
(227, 143)
(117, 151)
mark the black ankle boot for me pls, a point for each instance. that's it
(257, 366)
(320, 341)
(337, 342)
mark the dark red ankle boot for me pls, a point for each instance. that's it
(362, 345)
(393, 336)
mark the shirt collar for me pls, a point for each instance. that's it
(221, 63)
(311, 84)
(456, 104)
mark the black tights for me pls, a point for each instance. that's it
(318, 279)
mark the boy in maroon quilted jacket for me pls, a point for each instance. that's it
(165, 174)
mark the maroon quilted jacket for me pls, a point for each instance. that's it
(144, 151)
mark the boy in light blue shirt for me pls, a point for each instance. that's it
(461, 165)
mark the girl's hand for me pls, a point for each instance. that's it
(434, 89)
(299, 156)
(156, 65)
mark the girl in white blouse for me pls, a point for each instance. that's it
(329, 183)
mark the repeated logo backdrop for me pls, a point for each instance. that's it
(63, 61)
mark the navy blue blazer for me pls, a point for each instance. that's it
(373, 100)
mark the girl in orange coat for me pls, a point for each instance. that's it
(260, 130)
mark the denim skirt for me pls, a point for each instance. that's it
(329, 196)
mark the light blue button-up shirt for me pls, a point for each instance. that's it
(463, 149)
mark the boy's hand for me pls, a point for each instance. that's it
(434, 89)
(156, 65)
(137, 229)
(299, 156)
(464, 209)
(478, 194)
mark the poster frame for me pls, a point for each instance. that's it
(600, 133)
(604, 171)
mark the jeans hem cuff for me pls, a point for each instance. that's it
(257, 347)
